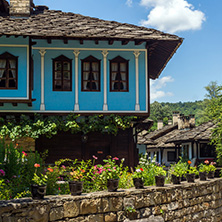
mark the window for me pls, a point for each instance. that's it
(171, 156)
(8, 71)
(207, 150)
(90, 74)
(119, 75)
(62, 74)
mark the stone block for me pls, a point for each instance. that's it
(111, 217)
(121, 216)
(172, 206)
(90, 206)
(129, 202)
(116, 204)
(95, 218)
(149, 200)
(158, 198)
(145, 212)
(139, 202)
(105, 205)
(56, 213)
(71, 209)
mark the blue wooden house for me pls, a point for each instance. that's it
(55, 63)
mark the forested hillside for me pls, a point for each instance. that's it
(163, 111)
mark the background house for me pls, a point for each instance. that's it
(57, 63)
(179, 138)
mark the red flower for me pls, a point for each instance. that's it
(141, 169)
(36, 165)
(50, 170)
(115, 158)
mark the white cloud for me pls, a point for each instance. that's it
(172, 15)
(156, 85)
(129, 3)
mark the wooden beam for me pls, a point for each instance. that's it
(125, 42)
(110, 42)
(139, 42)
(81, 41)
(49, 41)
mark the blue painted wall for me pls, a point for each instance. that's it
(64, 101)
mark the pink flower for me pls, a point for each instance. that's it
(2, 172)
(109, 170)
(115, 158)
(63, 167)
(24, 153)
(36, 165)
(206, 161)
(212, 163)
(95, 157)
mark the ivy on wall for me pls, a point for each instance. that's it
(37, 125)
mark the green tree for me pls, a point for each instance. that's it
(213, 90)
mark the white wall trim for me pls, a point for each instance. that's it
(136, 54)
(76, 53)
(27, 60)
(89, 49)
(42, 53)
(105, 53)
(71, 111)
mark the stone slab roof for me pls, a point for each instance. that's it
(59, 25)
(202, 132)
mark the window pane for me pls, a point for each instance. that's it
(2, 63)
(122, 67)
(66, 66)
(123, 85)
(58, 66)
(58, 75)
(114, 76)
(123, 75)
(2, 73)
(114, 67)
(86, 66)
(66, 85)
(86, 76)
(95, 76)
(66, 75)
(2, 83)
(86, 85)
(12, 83)
(95, 66)
(12, 64)
(12, 73)
(58, 85)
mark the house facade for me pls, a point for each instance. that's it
(57, 63)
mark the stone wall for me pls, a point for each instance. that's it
(200, 201)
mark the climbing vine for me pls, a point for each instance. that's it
(26, 126)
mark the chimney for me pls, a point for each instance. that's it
(159, 124)
(192, 121)
(176, 115)
(181, 122)
(20, 8)
(170, 122)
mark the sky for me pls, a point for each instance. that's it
(196, 63)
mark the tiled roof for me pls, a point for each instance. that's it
(58, 24)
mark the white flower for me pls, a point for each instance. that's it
(138, 170)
